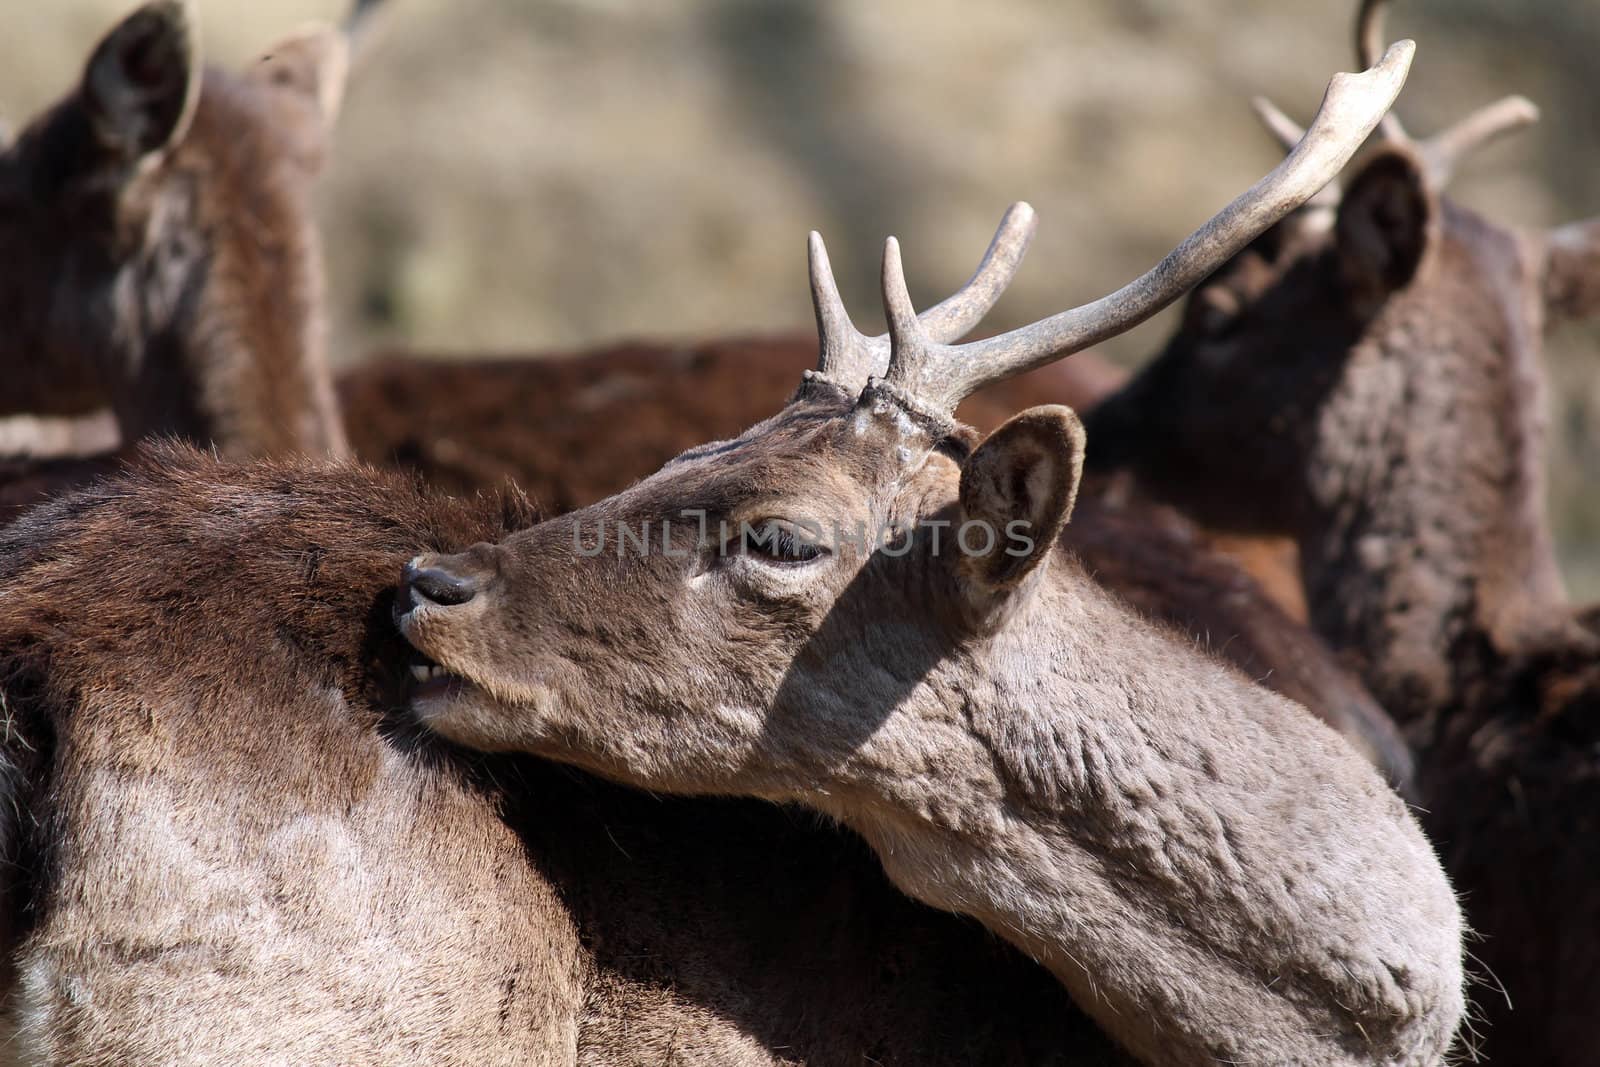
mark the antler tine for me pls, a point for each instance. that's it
(1369, 31)
(1369, 46)
(1442, 152)
(907, 337)
(939, 376)
(1284, 129)
(848, 357)
(956, 316)
(845, 355)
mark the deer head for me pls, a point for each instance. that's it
(1365, 377)
(859, 606)
(156, 246)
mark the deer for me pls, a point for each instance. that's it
(1399, 437)
(569, 430)
(198, 664)
(1013, 743)
(139, 217)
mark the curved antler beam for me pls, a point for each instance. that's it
(935, 377)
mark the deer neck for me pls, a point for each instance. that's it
(1122, 808)
(1427, 555)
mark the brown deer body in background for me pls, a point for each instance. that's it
(1400, 439)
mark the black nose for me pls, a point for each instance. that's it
(437, 585)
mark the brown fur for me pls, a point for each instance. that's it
(24, 484)
(1399, 436)
(232, 847)
(179, 280)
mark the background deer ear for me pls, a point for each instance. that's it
(1019, 487)
(1386, 221)
(315, 63)
(143, 79)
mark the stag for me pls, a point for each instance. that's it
(1012, 742)
(156, 246)
(1367, 379)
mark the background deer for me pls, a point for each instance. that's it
(156, 245)
(1013, 743)
(1401, 440)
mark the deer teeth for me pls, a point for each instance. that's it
(426, 672)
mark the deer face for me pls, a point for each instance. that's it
(812, 571)
(145, 219)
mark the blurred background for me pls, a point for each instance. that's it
(522, 176)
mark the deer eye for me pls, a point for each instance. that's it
(780, 541)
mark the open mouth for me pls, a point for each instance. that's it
(430, 681)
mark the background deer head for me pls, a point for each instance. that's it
(156, 249)
(1366, 377)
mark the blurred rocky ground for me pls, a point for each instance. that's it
(523, 175)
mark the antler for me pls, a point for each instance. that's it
(1288, 134)
(848, 358)
(932, 377)
(1444, 151)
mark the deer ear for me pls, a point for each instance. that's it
(142, 81)
(1017, 492)
(315, 63)
(1386, 222)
